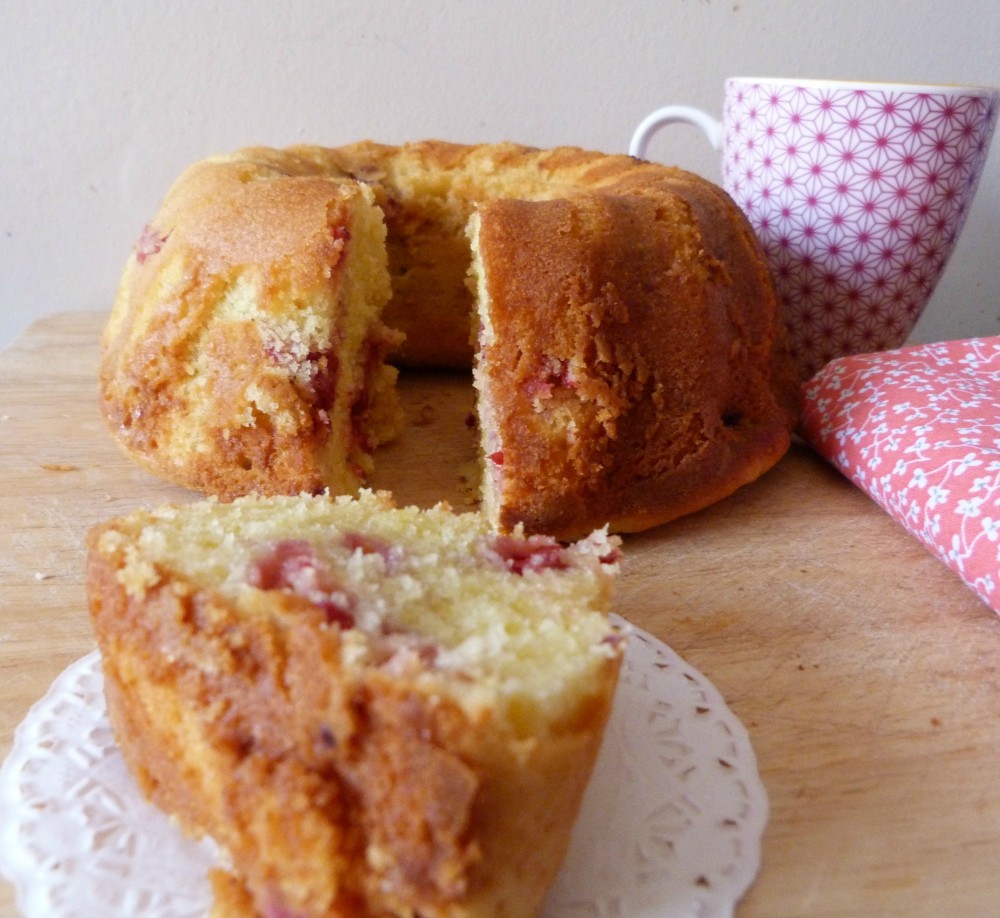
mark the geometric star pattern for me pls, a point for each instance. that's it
(858, 196)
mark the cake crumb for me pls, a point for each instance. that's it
(60, 467)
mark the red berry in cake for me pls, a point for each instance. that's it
(555, 374)
(149, 243)
(536, 553)
(292, 565)
(369, 544)
(341, 236)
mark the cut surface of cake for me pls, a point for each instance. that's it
(261, 368)
(372, 710)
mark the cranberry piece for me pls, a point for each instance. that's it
(292, 565)
(339, 609)
(320, 370)
(270, 570)
(428, 653)
(538, 388)
(614, 640)
(324, 383)
(612, 556)
(327, 738)
(369, 544)
(536, 553)
(496, 458)
(555, 373)
(148, 244)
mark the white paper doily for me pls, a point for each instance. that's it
(670, 827)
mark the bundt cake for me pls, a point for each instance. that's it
(627, 339)
(372, 710)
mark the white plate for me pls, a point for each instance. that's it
(670, 827)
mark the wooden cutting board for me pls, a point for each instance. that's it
(866, 674)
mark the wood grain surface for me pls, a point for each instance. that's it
(867, 675)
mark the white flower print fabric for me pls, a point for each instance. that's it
(918, 429)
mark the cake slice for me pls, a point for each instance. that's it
(373, 710)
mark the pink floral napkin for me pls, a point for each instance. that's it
(919, 430)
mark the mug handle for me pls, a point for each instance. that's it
(674, 114)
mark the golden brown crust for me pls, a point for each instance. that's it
(630, 367)
(334, 791)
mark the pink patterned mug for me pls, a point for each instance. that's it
(857, 191)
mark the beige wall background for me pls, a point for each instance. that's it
(104, 101)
